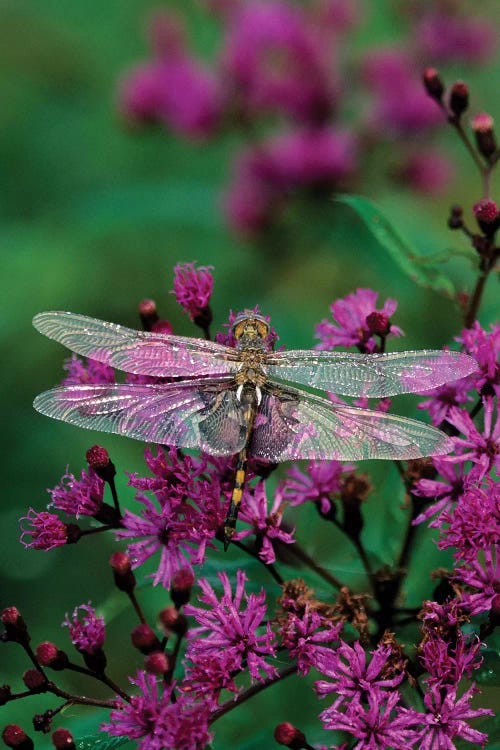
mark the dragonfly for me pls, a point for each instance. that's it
(247, 400)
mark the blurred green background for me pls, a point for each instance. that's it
(93, 219)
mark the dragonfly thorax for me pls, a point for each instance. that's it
(250, 329)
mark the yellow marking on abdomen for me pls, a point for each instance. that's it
(237, 495)
(239, 479)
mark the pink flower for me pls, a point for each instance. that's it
(87, 633)
(484, 346)
(229, 628)
(351, 327)
(304, 636)
(400, 104)
(89, 372)
(47, 530)
(444, 493)
(193, 288)
(276, 60)
(158, 720)
(78, 497)
(444, 37)
(483, 449)
(426, 171)
(447, 718)
(320, 483)
(264, 523)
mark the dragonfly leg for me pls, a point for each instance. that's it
(234, 505)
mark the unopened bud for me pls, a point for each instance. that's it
(43, 722)
(487, 216)
(288, 735)
(62, 739)
(459, 98)
(378, 323)
(34, 680)
(15, 627)
(144, 639)
(122, 571)
(99, 460)
(482, 125)
(157, 663)
(15, 737)
(173, 621)
(455, 220)
(162, 326)
(182, 583)
(433, 84)
(148, 313)
(48, 655)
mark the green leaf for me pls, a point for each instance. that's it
(421, 270)
(100, 742)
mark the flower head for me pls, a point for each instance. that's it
(276, 60)
(230, 628)
(320, 483)
(447, 37)
(264, 523)
(447, 718)
(305, 637)
(350, 327)
(193, 288)
(87, 372)
(47, 530)
(78, 497)
(153, 717)
(87, 630)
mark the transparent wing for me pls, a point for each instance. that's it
(139, 352)
(187, 415)
(291, 424)
(371, 375)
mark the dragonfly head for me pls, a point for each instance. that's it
(250, 325)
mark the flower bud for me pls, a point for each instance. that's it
(15, 737)
(62, 739)
(122, 571)
(173, 621)
(378, 323)
(433, 84)
(15, 627)
(455, 220)
(487, 216)
(147, 313)
(459, 98)
(288, 735)
(43, 722)
(48, 655)
(34, 680)
(482, 125)
(157, 662)
(182, 583)
(144, 639)
(99, 460)
(162, 326)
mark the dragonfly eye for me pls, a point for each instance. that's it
(254, 326)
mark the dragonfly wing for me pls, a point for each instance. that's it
(371, 375)
(140, 352)
(192, 414)
(291, 424)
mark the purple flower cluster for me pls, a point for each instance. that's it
(285, 64)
